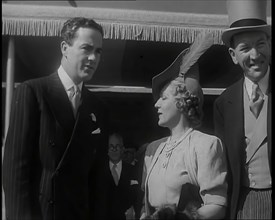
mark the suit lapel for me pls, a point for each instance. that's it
(234, 128)
(86, 108)
(109, 175)
(59, 103)
(123, 173)
(269, 119)
(83, 124)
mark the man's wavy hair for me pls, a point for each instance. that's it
(189, 103)
(71, 26)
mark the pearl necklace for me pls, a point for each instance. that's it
(171, 145)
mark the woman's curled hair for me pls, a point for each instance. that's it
(187, 102)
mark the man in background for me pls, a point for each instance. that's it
(116, 183)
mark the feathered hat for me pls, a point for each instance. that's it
(185, 66)
(245, 15)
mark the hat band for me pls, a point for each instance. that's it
(247, 22)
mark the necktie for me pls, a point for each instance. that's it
(75, 98)
(256, 102)
(114, 173)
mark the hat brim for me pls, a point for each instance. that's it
(191, 77)
(228, 33)
(171, 72)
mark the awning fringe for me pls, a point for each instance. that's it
(122, 31)
(22, 20)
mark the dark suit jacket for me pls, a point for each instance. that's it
(229, 126)
(112, 201)
(48, 154)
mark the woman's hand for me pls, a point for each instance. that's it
(211, 211)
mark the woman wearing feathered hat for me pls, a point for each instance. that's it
(187, 157)
(242, 114)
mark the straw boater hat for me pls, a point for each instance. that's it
(245, 15)
(185, 66)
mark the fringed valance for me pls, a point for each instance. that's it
(33, 20)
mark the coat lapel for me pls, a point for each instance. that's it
(109, 175)
(269, 137)
(234, 128)
(123, 173)
(84, 119)
(83, 125)
(234, 137)
(59, 103)
(269, 119)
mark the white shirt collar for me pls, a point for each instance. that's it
(263, 84)
(66, 80)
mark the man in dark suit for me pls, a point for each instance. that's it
(116, 183)
(242, 114)
(55, 126)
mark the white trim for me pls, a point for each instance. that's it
(134, 89)
(9, 84)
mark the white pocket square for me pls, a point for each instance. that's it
(134, 182)
(97, 131)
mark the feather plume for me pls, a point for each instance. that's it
(72, 3)
(202, 42)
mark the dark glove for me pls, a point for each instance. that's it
(190, 212)
(166, 212)
(190, 201)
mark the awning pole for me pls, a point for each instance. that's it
(9, 84)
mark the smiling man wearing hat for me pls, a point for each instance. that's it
(242, 114)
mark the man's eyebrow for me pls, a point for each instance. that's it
(86, 45)
(89, 46)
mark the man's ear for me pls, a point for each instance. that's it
(233, 55)
(64, 48)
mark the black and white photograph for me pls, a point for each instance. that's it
(136, 110)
